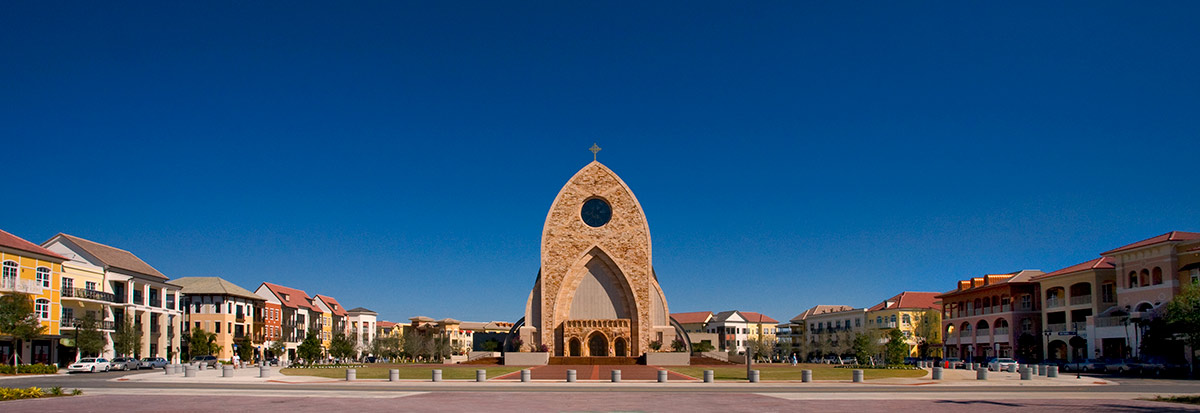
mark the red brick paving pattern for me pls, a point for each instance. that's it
(558, 401)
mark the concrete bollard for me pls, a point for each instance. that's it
(708, 376)
(858, 376)
(616, 376)
(1026, 373)
(1041, 369)
(805, 376)
(1051, 371)
(981, 374)
(200, 366)
(754, 376)
(571, 376)
(1012, 368)
(662, 376)
(937, 373)
(393, 374)
(189, 371)
(179, 368)
(264, 371)
(227, 371)
(481, 375)
(169, 369)
(526, 375)
(437, 375)
(351, 374)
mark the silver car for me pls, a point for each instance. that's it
(125, 363)
(153, 363)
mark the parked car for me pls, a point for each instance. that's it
(953, 363)
(211, 361)
(153, 363)
(1119, 366)
(850, 360)
(89, 364)
(273, 361)
(125, 363)
(1089, 365)
(1000, 364)
(1158, 366)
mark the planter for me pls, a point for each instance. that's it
(668, 359)
(526, 359)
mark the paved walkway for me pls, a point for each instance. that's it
(599, 373)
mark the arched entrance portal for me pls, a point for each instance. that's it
(1058, 350)
(575, 347)
(598, 345)
(619, 347)
(1078, 348)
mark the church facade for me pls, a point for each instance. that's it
(596, 293)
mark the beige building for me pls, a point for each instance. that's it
(220, 307)
(1073, 296)
(596, 293)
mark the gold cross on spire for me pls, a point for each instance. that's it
(595, 149)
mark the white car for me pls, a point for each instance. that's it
(89, 365)
(1001, 364)
(153, 363)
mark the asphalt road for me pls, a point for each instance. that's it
(104, 381)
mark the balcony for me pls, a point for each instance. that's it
(73, 323)
(1110, 321)
(1078, 326)
(1054, 328)
(241, 318)
(889, 324)
(83, 293)
(1054, 303)
(983, 332)
(1081, 299)
(1001, 331)
(155, 302)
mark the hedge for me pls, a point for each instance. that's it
(29, 369)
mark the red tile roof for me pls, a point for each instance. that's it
(20, 244)
(385, 324)
(1170, 236)
(993, 280)
(291, 297)
(753, 317)
(334, 306)
(909, 299)
(692, 317)
(1096, 264)
(821, 309)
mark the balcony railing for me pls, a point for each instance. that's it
(75, 322)
(1053, 303)
(983, 332)
(1054, 328)
(1001, 331)
(1110, 321)
(1081, 299)
(88, 294)
(155, 302)
(1078, 326)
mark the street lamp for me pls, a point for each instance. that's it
(1047, 332)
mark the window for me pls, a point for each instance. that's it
(858, 322)
(10, 274)
(879, 320)
(1026, 326)
(90, 285)
(41, 307)
(68, 283)
(1195, 275)
(1026, 302)
(218, 326)
(68, 313)
(197, 325)
(1108, 292)
(907, 319)
(43, 277)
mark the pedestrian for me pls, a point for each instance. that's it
(793, 359)
(237, 361)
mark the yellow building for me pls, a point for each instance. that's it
(907, 312)
(35, 271)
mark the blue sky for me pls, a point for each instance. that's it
(402, 155)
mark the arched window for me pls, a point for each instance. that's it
(893, 318)
(43, 277)
(1156, 276)
(41, 307)
(9, 278)
(1144, 277)
(1133, 279)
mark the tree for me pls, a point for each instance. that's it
(127, 340)
(702, 347)
(277, 348)
(1183, 314)
(412, 344)
(863, 347)
(202, 343)
(896, 349)
(245, 349)
(89, 341)
(310, 348)
(18, 319)
(759, 347)
(343, 346)
(928, 333)
(386, 347)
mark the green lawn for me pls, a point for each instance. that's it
(407, 371)
(787, 372)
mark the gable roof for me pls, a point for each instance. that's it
(1170, 236)
(754, 317)
(1096, 264)
(385, 324)
(291, 297)
(334, 306)
(695, 317)
(821, 309)
(213, 286)
(114, 257)
(360, 310)
(909, 299)
(992, 280)
(20, 244)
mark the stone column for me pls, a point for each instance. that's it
(146, 320)
(163, 343)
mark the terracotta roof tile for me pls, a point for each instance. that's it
(1096, 264)
(291, 297)
(692, 317)
(821, 309)
(334, 306)
(909, 299)
(1170, 236)
(212, 286)
(754, 317)
(20, 244)
(385, 324)
(114, 257)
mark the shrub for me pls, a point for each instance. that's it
(56, 391)
(29, 369)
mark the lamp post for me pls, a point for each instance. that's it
(1047, 332)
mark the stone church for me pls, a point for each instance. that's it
(596, 293)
